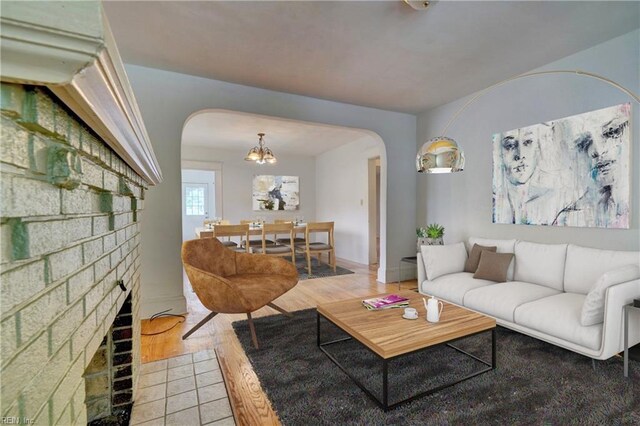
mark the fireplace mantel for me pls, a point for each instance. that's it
(68, 47)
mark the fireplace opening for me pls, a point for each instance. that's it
(109, 375)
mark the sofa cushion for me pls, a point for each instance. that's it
(540, 264)
(501, 300)
(493, 266)
(559, 316)
(503, 246)
(593, 307)
(586, 265)
(453, 287)
(442, 260)
(471, 265)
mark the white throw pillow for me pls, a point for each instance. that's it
(442, 260)
(593, 307)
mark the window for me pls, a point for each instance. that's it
(194, 201)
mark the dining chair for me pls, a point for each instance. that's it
(278, 249)
(317, 248)
(296, 240)
(229, 231)
(254, 242)
(233, 283)
(208, 231)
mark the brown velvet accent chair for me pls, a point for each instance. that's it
(231, 282)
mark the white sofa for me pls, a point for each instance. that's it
(544, 294)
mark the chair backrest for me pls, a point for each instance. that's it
(206, 234)
(283, 221)
(216, 222)
(277, 228)
(208, 254)
(231, 230)
(320, 227)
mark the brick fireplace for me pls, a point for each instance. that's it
(70, 235)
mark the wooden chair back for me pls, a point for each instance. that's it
(275, 229)
(316, 227)
(232, 231)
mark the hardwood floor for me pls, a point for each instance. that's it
(249, 403)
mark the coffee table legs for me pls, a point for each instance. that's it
(384, 403)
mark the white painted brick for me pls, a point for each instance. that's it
(39, 313)
(65, 262)
(20, 284)
(37, 392)
(18, 195)
(62, 328)
(91, 173)
(91, 250)
(80, 201)
(83, 334)
(94, 296)
(74, 134)
(109, 242)
(116, 257)
(80, 283)
(121, 236)
(40, 154)
(121, 204)
(63, 395)
(101, 267)
(65, 417)
(45, 237)
(42, 418)
(11, 411)
(122, 220)
(110, 181)
(100, 225)
(9, 342)
(20, 370)
(5, 243)
(94, 343)
(14, 148)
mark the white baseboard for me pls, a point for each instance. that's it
(150, 306)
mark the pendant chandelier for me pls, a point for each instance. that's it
(261, 154)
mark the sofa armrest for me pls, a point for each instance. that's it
(422, 273)
(616, 297)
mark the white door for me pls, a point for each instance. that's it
(195, 205)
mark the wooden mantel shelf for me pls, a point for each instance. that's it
(68, 47)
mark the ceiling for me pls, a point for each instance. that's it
(381, 54)
(232, 130)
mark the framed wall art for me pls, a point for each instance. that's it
(573, 171)
(275, 192)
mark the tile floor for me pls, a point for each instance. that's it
(186, 390)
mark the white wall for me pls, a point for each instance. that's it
(342, 196)
(462, 202)
(166, 101)
(237, 178)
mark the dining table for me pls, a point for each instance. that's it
(253, 229)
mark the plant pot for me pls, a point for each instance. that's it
(429, 242)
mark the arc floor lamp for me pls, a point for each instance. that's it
(443, 155)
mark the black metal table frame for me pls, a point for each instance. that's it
(384, 403)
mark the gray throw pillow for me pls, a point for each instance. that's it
(493, 266)
(471, 265)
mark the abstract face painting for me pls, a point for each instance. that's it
(573, 171)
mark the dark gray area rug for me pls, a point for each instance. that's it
(318, 269)
(535, 382)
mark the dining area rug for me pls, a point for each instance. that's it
(534, 383)
(318, 269)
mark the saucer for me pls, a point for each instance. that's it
(410, 318)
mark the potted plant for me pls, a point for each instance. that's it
(431, 235)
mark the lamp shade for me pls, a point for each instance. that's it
(440, 155)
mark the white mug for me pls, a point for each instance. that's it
(410, 312)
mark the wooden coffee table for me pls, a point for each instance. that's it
(389, 336)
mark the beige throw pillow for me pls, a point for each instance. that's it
(471, 265)
(493, 266)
